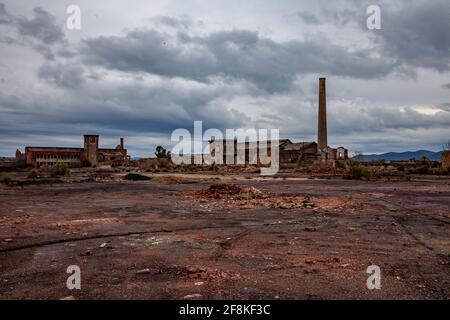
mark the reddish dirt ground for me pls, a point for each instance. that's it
(304, 239)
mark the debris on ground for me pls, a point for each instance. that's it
(136, 177)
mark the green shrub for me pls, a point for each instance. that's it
(419, 170)
(161, 152)
(358, 171)
(6, 179)
(60, 169)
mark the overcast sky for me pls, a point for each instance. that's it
(139, 69)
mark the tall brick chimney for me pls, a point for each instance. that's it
(121, 143)
(322, 123)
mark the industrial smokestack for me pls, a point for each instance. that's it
(322, 123)
(121, 143)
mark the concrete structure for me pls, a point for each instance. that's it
(322, 139)
(220, 146)
(89, 155)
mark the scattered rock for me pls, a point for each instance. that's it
(143, 271)
(193, 296)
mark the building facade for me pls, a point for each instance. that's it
(89, 155)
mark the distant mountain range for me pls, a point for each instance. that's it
(392, 156)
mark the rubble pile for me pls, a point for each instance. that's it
(230, 192)
(223, 195)
(232, 196)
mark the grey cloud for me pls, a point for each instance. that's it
(180, 22)
(445, 106)
(240, 54)
(308, 17)
(416, 33)
(63, 75)
(42, 26)
(147, 82)
(5, 17)
(371, 119)
(446, 86)
(42, 32)
(131, 105)
(419, 34)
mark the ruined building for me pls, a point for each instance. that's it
(301, 153)
(89, 155)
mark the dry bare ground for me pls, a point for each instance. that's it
(237, 239)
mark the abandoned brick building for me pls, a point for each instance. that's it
(289, 152)
(90, 154)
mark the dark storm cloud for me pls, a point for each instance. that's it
(131, 105)
(419, 34)
(239, 54)
(42, 26)
(42, 32)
